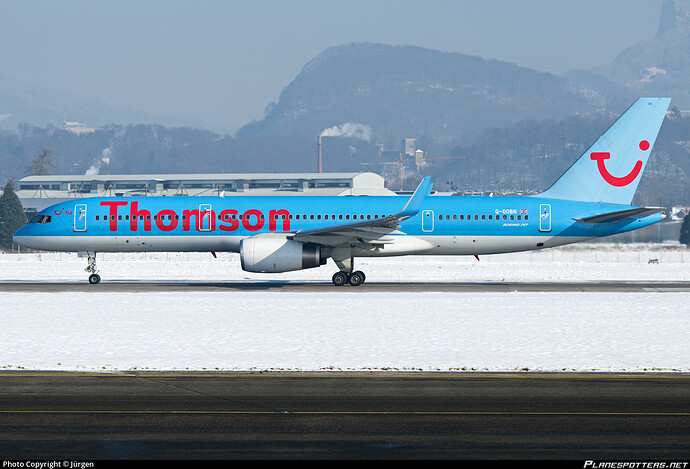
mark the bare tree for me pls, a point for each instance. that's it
(42, 164)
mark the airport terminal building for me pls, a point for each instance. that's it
(39, 192)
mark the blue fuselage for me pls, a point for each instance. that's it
(445, 224)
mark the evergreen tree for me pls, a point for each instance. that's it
(12, 215)
(685, 231)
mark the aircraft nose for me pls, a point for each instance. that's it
(20, 235)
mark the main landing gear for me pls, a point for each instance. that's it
(94, 278)
(343, 258)
(353, 278)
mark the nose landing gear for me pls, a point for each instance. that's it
(94, 278)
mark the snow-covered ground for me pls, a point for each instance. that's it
(350, 329)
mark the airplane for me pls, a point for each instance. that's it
(280, 234)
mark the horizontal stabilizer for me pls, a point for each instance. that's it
(613, 217)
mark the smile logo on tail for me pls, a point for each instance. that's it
(613, 180)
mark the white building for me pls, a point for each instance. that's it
(39, 192)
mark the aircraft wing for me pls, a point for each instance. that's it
(366, 231)
(613, 217)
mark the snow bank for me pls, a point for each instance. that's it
(348, 329)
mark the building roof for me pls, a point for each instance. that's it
(38, 192)
(187, 177)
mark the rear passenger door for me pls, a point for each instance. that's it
(428, 221)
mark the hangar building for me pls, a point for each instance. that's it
(39, 192)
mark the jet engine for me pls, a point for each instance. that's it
(271, 253)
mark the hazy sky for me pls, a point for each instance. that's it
(223, 61)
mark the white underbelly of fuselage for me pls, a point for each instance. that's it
(398, 245)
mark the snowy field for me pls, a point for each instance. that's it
(348, 329)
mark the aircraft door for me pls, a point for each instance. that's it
(205, 214)
(80, 217)
(428, 220)
(545, 217)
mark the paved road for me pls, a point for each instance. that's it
(163, 286)
(290, 415)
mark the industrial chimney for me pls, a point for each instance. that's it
(319, 147)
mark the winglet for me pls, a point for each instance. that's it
(414, 205)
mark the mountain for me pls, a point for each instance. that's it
(661, 66)
(400, 91)
(32, 104)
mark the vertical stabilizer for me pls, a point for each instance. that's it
(611, 169)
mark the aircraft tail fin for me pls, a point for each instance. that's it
(611, 169)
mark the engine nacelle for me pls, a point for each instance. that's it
(276, 253)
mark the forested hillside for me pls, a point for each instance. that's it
(526, 157)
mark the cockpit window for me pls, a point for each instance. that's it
(42, 219)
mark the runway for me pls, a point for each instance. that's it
(57, 416)
(371, 287)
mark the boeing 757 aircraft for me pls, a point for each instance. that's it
(279, 234)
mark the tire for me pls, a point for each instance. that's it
(94, 279)
(356, 278)
(339, 279)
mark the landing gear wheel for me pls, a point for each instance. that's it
(356, 278)
(339, 279)
(94, 278)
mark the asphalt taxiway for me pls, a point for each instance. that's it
(392, 287)
(74, 416)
